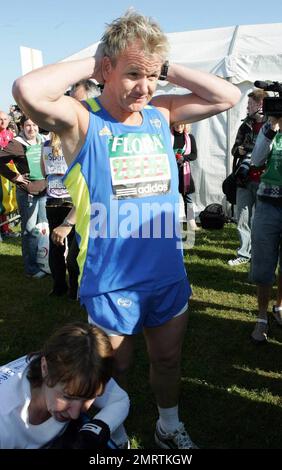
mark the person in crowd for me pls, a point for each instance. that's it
(15, 113)
(46, 396)
(58, 237)
(6, 135)
(31, 204)
(267, 226)
(25, 151)
(124, 185)
(84, 89)
(185, 150)
(58, 206)
(81, 91)
(12, 126)
(247, 177)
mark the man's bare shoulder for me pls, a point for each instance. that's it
(162, 103)
(73, 137)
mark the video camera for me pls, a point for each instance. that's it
(272, 105)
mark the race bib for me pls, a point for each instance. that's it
(53, 164)
(139, 165)
(12, 368)
(56, 187)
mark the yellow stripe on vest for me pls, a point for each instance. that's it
(93, 105)
(79, 192)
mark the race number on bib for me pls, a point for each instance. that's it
(56, 187)
(139, 165)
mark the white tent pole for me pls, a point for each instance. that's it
(228, 143)
(233, 40)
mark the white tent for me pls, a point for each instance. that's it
(241, 54)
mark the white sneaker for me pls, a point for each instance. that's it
(39, 275)
(259, 334)
(178, 439)
(238, 261)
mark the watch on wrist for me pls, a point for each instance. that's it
(164, 71)
(67, 223)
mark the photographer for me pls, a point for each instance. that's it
(267, 224)
(247, 178)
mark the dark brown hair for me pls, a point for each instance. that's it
(23, 119)
(79, 356)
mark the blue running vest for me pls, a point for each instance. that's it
(124, 185)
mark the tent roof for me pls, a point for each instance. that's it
(247, 52)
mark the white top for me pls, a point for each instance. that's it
(15, 430)
(55, 167)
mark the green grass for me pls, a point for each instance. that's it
(231, 388)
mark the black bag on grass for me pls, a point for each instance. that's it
(212, 217)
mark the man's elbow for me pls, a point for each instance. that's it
(22, 92)
(17, 89)
(234, 97)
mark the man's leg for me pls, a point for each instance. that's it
(123, 352)
(263, 296)
(244, 208)
(266, 236)
(277, 309)
(28, 208)
(164, 344)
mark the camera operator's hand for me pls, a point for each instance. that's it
(93, 435)
(241, 150)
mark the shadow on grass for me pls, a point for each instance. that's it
(202, 306)
(219, 278)
(225, 420)
(226, 380)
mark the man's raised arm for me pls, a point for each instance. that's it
(40, 93)
(210, 95)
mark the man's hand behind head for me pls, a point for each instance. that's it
(98, 56)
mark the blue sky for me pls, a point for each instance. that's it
(62, 27)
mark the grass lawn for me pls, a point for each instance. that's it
(231, 388)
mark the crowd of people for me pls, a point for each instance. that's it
(111, 154)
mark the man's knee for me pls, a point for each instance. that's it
(169, 360)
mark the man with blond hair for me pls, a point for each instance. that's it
(124, 184)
